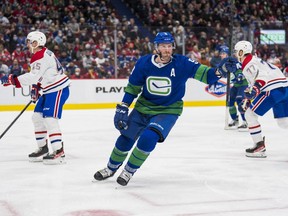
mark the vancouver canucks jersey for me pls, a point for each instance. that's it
(239, 78)
(162, 86)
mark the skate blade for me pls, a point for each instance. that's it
(243, 129)
(57, 161)
(256, 155)
(231, 128)
(36, 160)
(227, 127)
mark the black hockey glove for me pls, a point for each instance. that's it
(226, 65)
(121, 117)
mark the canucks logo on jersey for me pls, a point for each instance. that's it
(159, 85)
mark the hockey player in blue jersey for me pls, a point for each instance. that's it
(160, 80)
(239, 84)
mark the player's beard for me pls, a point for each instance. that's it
(166, 56)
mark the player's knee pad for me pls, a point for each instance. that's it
(52, 125)
(282, 122)
(148, 140)
(251, 117)
(124, 143)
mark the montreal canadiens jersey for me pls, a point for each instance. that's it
(268, 75)
(46, 70)
(162, 86)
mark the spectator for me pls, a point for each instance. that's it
(123, 59)
(78, 74)
(194, 54)
(204, 60)
(26, 67)
(92, 73)
(4, 69)
(87, 60)
(100, 59)
(147, 46)
(15, 68)
(110, 70)
(5, 55)
(215, 60)
(19, 55)
(70, 68)
(74, 26)
(64, 58)
(107, 38)
(83, 26)
(3, 20)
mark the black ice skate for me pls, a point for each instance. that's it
(57, 157)
(243, 127)
(124, 178)
(38, 155)
(104, 174)
(233, 125)
(258, 151)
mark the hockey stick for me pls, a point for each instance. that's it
(250, 89)
(227, 101)
(231, 27)
(15, 119)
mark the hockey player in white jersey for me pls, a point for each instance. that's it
(268, 89)
(46, 75)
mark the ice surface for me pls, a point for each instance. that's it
(200, 170)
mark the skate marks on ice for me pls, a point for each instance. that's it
(201, 169)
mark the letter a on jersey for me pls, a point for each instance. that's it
(172, 74)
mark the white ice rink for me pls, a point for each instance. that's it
(200, 170)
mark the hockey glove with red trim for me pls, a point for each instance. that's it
(251, 94)
(121, 117)
(35, 93)
(10, 80)
(244, 105)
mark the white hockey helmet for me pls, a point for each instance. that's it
(37, 36)
(242, 48)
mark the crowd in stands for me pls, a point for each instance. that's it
(92, 41)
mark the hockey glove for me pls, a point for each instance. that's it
(239, 78)
(121, 117)
(244, 105)
(35, 93)
(228, 64)
(251, 94)
(10, 80)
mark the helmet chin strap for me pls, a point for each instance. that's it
(160, 56)
(241, 58)
(33, 48)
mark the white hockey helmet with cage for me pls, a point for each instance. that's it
(37, 36)
(242, 48)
